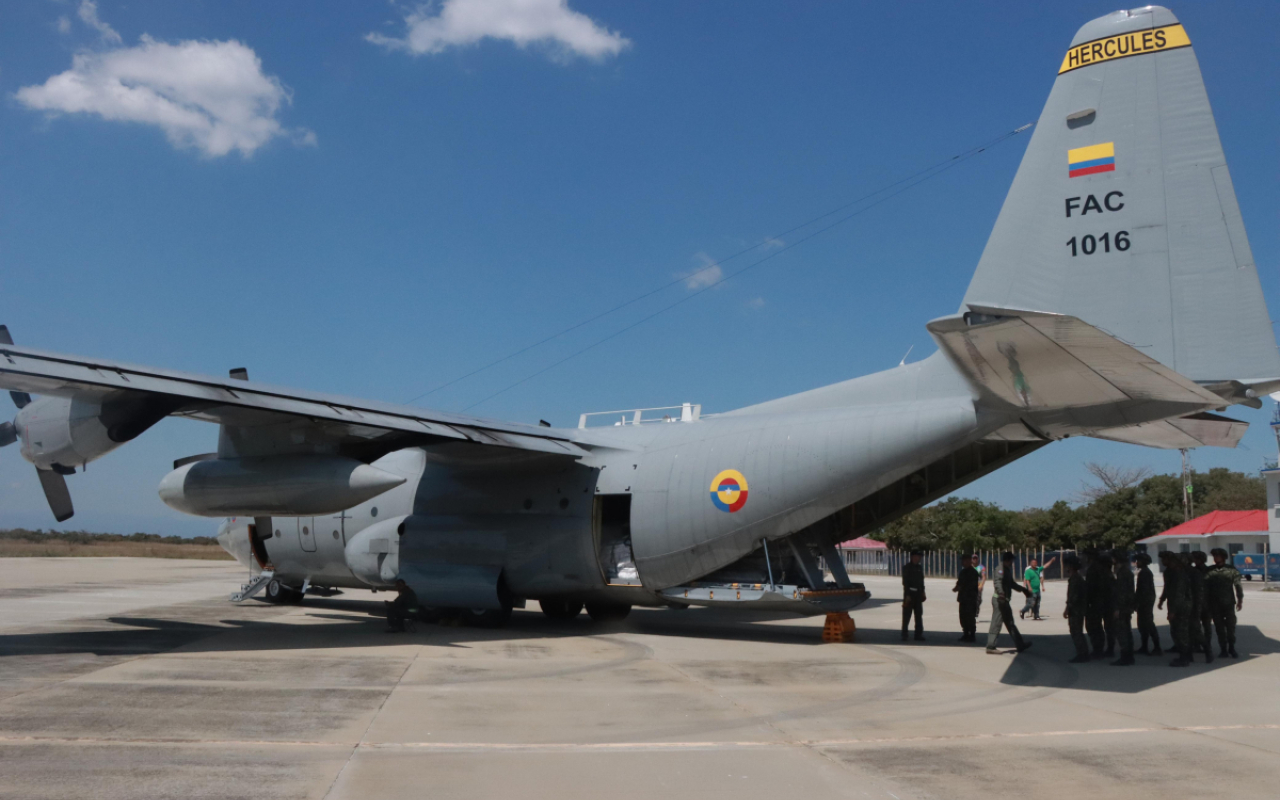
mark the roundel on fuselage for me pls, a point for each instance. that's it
(729, 491)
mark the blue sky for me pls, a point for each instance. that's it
(373, 199)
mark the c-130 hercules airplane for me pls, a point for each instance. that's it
(1117, 298)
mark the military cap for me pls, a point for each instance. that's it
(1071, 561)
(1198, 555)
(1218, 551)
(1007, 556)
(917, 552)
(1143, 558)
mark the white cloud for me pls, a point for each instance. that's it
(755, 302)
(211, 96)
(524, 22)
(706, 275)
(772, 243)
(64, 25)
(88, 14)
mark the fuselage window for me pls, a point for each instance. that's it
(373, 512)
(305, 530)
(335, 534)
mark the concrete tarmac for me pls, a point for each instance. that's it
(143, 681)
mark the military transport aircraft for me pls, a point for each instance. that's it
(1117, 298)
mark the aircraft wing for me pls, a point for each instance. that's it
(288, 419)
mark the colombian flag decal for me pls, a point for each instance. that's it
(729, 491)
(1091, 160)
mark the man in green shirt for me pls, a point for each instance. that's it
(1031, 578)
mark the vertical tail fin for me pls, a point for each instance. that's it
(1122, 212)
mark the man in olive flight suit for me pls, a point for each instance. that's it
(966, 590)
(1124, 600)
(913, 595)
(1177, 593)
(1225, 597)
(1077, 607)
(1146, 604)
(1001, 611)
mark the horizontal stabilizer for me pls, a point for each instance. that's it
(1038, 362)
(1196, 430)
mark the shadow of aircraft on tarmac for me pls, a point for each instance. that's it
(341, 623)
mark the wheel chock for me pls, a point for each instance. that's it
(839, 627)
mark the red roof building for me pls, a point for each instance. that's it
(863, 543)
(1234, 531)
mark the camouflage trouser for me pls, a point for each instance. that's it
(1180, 629)
(1224, 619)
(1147, 625)
(1206, 626)
(1123, 627)
(1076, 625)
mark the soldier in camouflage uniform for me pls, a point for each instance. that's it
(1225, 597)
(1198, 559)
(1146, 603)
(1077, 607)
(1124, 600)
(1098, 619)
(1195, 581)
(1177, 592)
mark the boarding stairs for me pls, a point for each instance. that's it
(259, 583)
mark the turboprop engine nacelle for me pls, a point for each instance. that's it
(273, 486)
(61, 433)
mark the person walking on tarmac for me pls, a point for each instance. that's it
(1224, 597)
(913, 595)
(966, 590)
(1177, 593)
(1146, 604)
(1032, 578)
(1204, 620)
(1001, 611)
(1077, 607)
(1123, 599)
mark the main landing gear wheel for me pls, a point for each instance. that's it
(608, 612)
(486, 617)
(277, 592)
(560, 609)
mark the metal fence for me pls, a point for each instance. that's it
(946, 563)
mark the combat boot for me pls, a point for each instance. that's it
(1222, 652)
(1157, 651)
(1208, 654)
(1232, 650)
(1179, 662)
(1123, 661)
(1142, 651)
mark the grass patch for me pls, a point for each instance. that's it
(22, 543)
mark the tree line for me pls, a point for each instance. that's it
(1122, 507)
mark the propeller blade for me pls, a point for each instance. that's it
(8, 434)
(55, 491)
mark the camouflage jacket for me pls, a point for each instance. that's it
(1222, 585)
